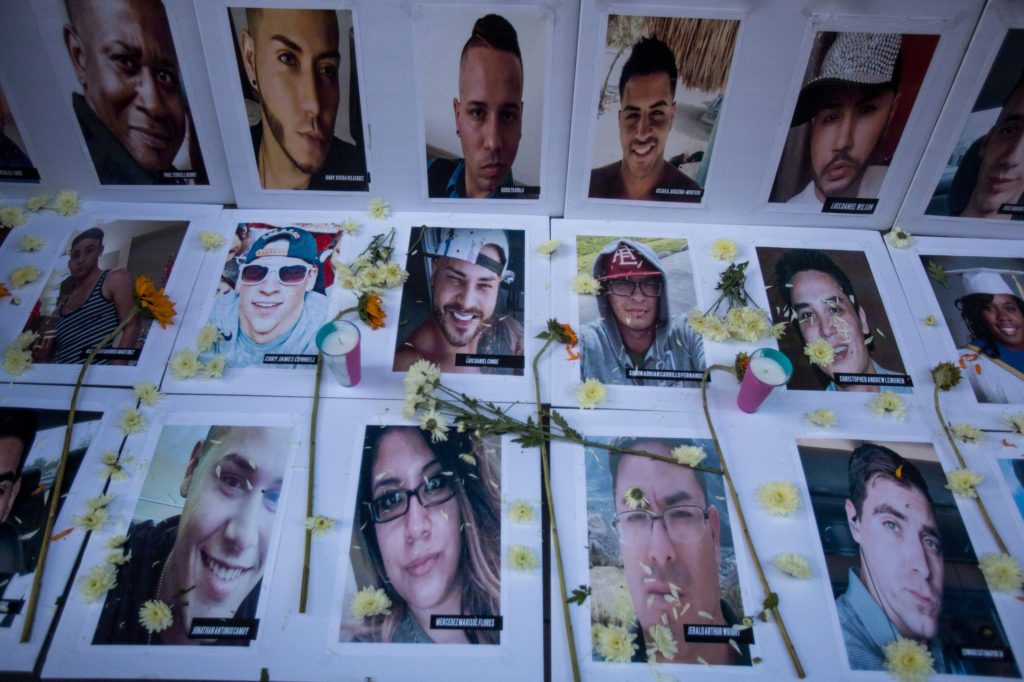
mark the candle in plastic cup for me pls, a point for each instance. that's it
(339, 343)
(768, 368)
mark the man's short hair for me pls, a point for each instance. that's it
(615, 459)
(870, 461)
(798, 260)
(649, 55)
(20, 423)
(493, 31)
(92, 233)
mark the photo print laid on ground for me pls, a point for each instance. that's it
(982, 302)
(300, 89)
(30, 447)
(663, 575)
(984, 175)
(858, 91)
(426, 540)
(463, 304)
(200, 536)
(899, 558)
(634, 331)
(130, 99)
(90, 291)
(832, 296)
(659, 106)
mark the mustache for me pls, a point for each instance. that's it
(840, 156)
(464, 311)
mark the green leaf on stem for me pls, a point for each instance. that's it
(564, 425)
(579, 595)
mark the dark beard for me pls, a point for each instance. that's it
(458, 342)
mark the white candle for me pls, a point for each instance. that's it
(767, 370)
(341, 341)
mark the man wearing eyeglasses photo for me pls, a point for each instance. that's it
(208, 561)
(635, 339)
(274, 311)
(670, 542)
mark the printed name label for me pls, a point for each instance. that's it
(282, 359)
(986, 653)
(679, 193)
(465, 622)
(113, 354)
(856, 205)
(11, 605)
(673, 374)
(19, 173)
(719, 634)
(873, 379)
(1012, 209)
(179, 175)
(357, 183)
(223, 628)
(504, 361)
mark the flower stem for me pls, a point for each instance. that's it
(963, 465)
(546, 475)
(58, 482)
(743, 521)
(308, 542)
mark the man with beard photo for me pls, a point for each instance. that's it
(465, 269)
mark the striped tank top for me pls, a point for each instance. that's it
(80, 330)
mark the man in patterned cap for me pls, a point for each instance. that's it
(636, 341)
(465, 269)
(848, 105)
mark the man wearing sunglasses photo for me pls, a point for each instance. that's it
(670, 544)
(274, 312)
(635, 340)
(207, 561)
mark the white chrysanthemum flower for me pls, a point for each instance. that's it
(147, 393)
(12, 216)
(824, 417)
(37, 203)
(585, 285)
(546, 248)
(210, 240)
(930, 320)
(369, 602)
(521, 512)
(1002, 572)
(963, 482)
(206, 337)
(522, 558)
(794, 565)
(31, 243)
(635, 498)
(690, 455)
(908, 660)
(615, 643)
(184, 364)
(820, 352)
(780, 498)
(898, 238)
(724, 249)
(662, 643)
(379, 209)
(67, 203)
(215, 367)
(155, 615)
(966, 433)
(319, 525)
(97, 582)
(17, 361)
(131, 421)
(591, 393)
(436, 425)
(26, 274)
(93, 520)
(350, 226)
(890, 404)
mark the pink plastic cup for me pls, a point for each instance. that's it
(768, 368)
(339, 343)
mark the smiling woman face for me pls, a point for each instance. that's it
(1005, 320)
(420, 549)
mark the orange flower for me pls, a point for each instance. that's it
(3, 290)
(371, 310)
(153, 301)
(573, 340)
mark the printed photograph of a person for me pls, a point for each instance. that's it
(427, 533)
(91, 292)
(31, 441)
(984, 176)
(858, 91)
(982, 304)
(300, 89)
(659, 538)
(15, 166)
(659, 105)
(831, 295)
(274, 295)
(201, 532)
(130, 101)
(899, 557)
(633, 332)
(463, 304)
(491, 87)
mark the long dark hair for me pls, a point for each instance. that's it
(972, 309)
(479, 500)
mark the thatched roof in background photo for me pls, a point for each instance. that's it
(703, 48)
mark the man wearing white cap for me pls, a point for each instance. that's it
(465, 269)
(994, 313)
(847, 106)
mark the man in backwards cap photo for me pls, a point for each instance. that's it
(847, 106)
(635, 330)
(994, 315)
(465, 269)
(274, 309)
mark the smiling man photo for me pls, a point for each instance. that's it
(647, 89)
(208, 561)
(132, 111)
(273, 309)
(292, 59)
(465, 270)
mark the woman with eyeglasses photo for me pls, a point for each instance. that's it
(428, 532)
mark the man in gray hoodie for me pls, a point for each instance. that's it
(636, 340)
